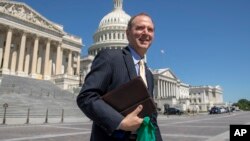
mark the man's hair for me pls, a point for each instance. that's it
(132, 18)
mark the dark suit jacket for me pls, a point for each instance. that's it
(110, 69)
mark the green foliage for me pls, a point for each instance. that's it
(244, 104)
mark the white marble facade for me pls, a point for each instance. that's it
(206, 97)
(33, 46)
(168, 89)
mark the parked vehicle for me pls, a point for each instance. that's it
(173, 111)
(215, 110)
(222, 110)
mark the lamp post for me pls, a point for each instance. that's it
(5, 106)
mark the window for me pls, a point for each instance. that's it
(214, 95)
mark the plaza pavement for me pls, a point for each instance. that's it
(201, 127)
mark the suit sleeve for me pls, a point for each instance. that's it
(96, 84)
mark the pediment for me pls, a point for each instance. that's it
(26, 13)
(167, 73)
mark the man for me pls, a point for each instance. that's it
(110, 69)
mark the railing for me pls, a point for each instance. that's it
(26, 115)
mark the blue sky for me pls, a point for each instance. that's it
(205, 42)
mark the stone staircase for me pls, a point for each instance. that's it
(22, 93)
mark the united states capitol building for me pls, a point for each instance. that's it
(34, 47)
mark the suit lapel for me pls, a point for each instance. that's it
(129, 63)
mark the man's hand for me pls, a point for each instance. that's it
(132, 122)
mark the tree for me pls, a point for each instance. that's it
(244, 104)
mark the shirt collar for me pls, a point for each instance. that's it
(136, 57)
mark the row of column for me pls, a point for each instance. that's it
(23, 57)
(95, 51)
(111, 36)
(166, 89)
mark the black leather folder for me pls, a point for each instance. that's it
(128, 96)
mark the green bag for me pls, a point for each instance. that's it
(146, 132)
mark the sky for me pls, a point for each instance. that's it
(203, 42)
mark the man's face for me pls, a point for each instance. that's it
(141, 34)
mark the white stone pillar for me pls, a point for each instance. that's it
(5, 69)
(160, 92)
(50, 67)
(167, 87)
(27, 59)
(21, 55)
(169, 93)
(174, 94)
(58, 59)
(34, 57)
(158, 88)
(69, 68)
(13, 62)
(171, 87)
(46, 61)
(112, 37)
(177, 91)
(63, 68)
(174, 89)
(78, 64)
(2, 37)
(164, 88)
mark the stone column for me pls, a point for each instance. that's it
(167, 89)
(50, 67)
(69, 68)
(5, 69)
(21, 55)
(63, 67)
(169, 92)
(171, 88)
(112, 37)
(27, 58)
(34, 57)
(164, 88)
(176, 91)
(78, 64)
(160, 93)
(46, 61)
(174, 88)
(2, 37)
(58, 60)
(158, 88)
(13, 62)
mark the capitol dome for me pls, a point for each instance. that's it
(111, 33)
